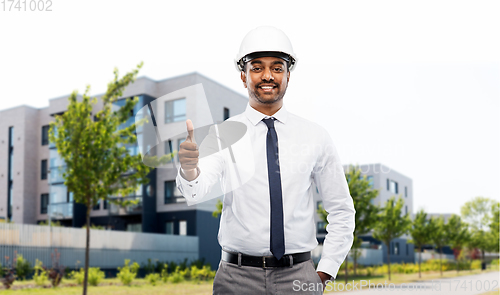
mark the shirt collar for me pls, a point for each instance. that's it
(255, 116)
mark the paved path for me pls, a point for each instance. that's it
(464, 285)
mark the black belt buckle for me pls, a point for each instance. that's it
(263, 261)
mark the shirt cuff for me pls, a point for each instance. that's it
(329, 267)
(186, 187)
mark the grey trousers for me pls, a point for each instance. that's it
(301, 278)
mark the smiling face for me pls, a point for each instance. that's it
(266, 79)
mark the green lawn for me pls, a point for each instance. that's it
(140, 286)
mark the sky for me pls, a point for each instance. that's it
(413, 85)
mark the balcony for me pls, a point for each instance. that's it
(60, 210)
(115, 209)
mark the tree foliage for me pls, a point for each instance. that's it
(391, 224)
(420, 234)
(97, 162)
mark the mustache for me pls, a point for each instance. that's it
(275, 84)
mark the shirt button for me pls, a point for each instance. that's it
(194, 195)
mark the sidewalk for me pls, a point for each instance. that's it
(463, 285)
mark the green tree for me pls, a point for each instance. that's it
(437, 229)
(494, 226)
(98, 164)
(363, 195)
(391, 224)
(478, 214)
(457, 235)
(420, 234)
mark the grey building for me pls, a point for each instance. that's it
(32, 188)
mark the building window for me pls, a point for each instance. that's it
(406, 191)
(134, 227)
(97, 206)
(319, 203)
(370, 180)
(44, 203)
(105, 205)
(406, 249)
(169, 227)
(175, 110)
(226, 114)
(45, 135)
(172, 194)
(396, 248)
(44, 170)
(388, 183)
(181, 140)
(182, 227)
(393, 186)
(406, 209)
(321, 227)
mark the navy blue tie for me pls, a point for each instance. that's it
(273, 170)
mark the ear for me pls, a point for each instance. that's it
(244, 78)
(287, 76)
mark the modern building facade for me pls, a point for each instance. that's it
(32, 187)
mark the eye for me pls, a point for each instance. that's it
(255, 69)
(278, 69)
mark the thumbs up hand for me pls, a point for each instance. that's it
(188, 154)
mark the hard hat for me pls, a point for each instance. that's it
(268, 41)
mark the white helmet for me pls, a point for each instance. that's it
(270, 41)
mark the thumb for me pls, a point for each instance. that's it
(190, 130)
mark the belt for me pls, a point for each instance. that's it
(265, 261)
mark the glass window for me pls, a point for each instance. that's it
(321, 227)
(319, 203)
(388, 184)
(97, 206)
(175, 110)
(406, 209)
(44, 169)
(11, 165)
(226, 114)
(370, 180)
(182, 227)
(172, 193)
(44, 203)
(169, 227)
(406, 191)
(45, 135)
(11, 136)
(393, 187)
(58, 194)
(396, 248)
(406, 249)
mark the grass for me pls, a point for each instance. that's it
(140, 286)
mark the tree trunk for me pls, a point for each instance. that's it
(355, 261)
(440, 261)
(458, 261)
(482, 259)
(419, 261)
(87, 246)
(389, 259)
(346, 267)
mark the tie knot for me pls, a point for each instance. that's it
(269, 122)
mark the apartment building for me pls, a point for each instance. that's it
(32, 188)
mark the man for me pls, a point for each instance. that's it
(267, 227)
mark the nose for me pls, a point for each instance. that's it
(267, 75)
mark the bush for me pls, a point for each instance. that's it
(23, 267)
(202, 274)
(164, 273)
(95, 276)
(177, 276)
(40, 277)
(128, 273)
(153, 278)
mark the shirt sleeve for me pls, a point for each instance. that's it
(211, 168)
(329, 177)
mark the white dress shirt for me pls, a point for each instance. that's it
(306, 154)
